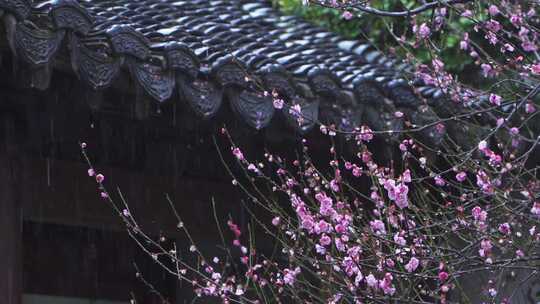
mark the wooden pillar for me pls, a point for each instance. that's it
(10, 216)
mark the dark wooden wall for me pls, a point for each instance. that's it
(49, 206)
(10, 215)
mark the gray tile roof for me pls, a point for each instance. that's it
(205, 53)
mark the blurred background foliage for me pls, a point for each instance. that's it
(378, 30)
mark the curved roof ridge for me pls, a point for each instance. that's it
(208, 52)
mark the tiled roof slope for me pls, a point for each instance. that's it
(200, 51)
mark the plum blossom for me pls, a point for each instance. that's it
(535, 68)
(347, 15)
(482, 145)
(377, 226)
(536, 209)
(238, 153)
(495, 99)
(464, 43)
(529, 107)
(412, 265)
(493, 10)
(325, 240)
(439, 181)
(400, 240)
(290, 275)
(443, 276)
(386, 284)
(485, 248)
(487, 70)
(371, 281)
(422, 31)
(100, 178)
(467, 14)
(461, 176)
(483, 181)
(504, 228)
(365, 134)
(397, 192)
(359, 277)
(479, 214)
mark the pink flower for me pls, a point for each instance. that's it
(479, 214)
(276, 220)
(464, 44)
(399, 239)
(100, 178)
(493, 26)
(529, 46)
(371, 281)
(356, 171)
(495, 99)
(487, 70)
(514, 131)
(238, 153)
(320, 249)
(359, 277)
(91, 172)
(104, 194)
(467, 14)
(386, 284)
(253, 168)
(406, 176)
(325, 240)
(493, 10)
(516, 20)
(482, 145)
(83, 145)
(535, 68)
(322, 227)
(401, 199)
(398, 114)
(443, 276)
(365, 134)
(412, 265)
(397, 192)
(504, 228)
(483, 181)
(290, 275)
(347, 15)
(439, 181)
(461, 176)
(377, 226)
(438, 65)
(485, 248)
(424, 31)
(536, 209)
(234, 228)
